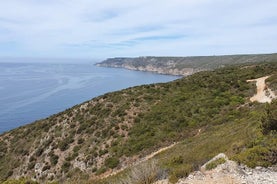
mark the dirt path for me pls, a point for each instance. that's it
(264, 94)
(138, 162)
(157, 152)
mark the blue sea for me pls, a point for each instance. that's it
(32, 91)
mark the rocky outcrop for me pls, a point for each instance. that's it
(231, 173)
(162, 70)
(228, 173)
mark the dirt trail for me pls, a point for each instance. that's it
(157, 152)
(264, 94)
(138, 162)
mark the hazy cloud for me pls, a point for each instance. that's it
(90, 28)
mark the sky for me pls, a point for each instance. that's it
(130, 28)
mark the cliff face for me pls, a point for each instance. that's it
(182, 65)
(161, 70)
(150, 64)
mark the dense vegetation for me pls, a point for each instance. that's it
(207, 113)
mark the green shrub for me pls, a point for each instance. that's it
(177, 160)
(269, 120)
(80, 140)
(111, 162)
(215, 163)
(255, 156)
(94, 169)
(76, 148)
(101, 170)
(20, 181)
(39, 152)
(180, 172)
(31, 165)
(46, 167)
(103, 152)
(65, 167)
(54, 159)
(64, 145)
(32, 158)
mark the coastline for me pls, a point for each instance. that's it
(68, 86)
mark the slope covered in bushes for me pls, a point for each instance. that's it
(208, 112)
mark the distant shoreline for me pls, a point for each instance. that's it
(183, 66)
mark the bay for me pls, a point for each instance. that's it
(32, 91)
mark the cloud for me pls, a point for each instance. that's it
(90, 28)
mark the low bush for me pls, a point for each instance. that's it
(54, 159)
(66, 166)
(252, 157)
(269, 120)
(180, 172)
(215, 163)
(145, 173)
(111, 162)
(101, 170)
(20, 181)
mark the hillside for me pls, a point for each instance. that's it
(183, 65)
(205, 114)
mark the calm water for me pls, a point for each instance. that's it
(33, 91)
